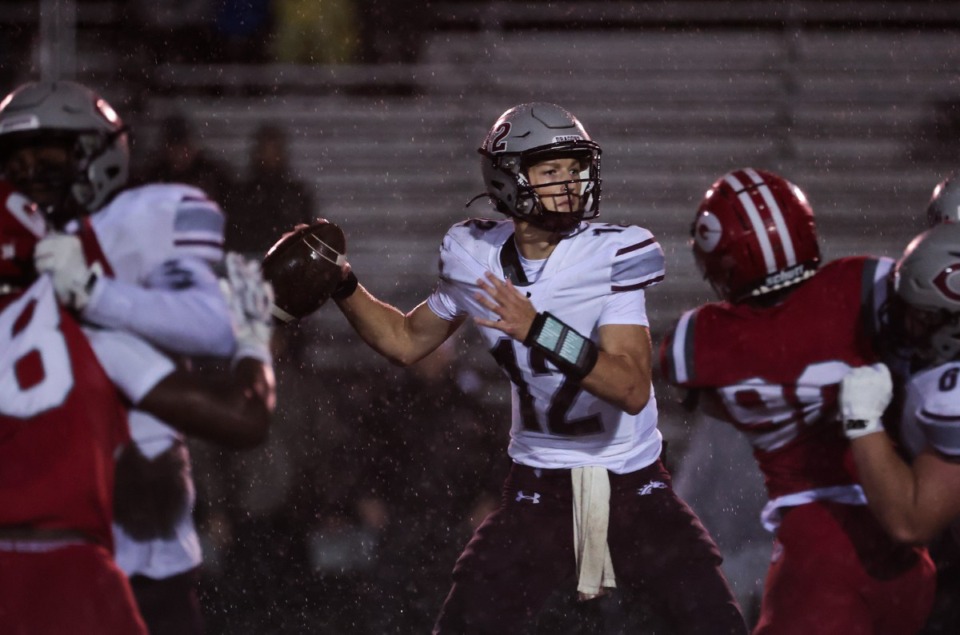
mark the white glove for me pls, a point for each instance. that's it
(864, 394)
(249, 298)
(61, 256)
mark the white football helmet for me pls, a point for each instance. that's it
(944, 204)
(528, 134)
(68, 113)
(926, 281)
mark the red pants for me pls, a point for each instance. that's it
(834, 571)
(76, 589)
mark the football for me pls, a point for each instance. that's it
(305, 267)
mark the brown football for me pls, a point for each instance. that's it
(304, 267)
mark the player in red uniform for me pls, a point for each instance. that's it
(64, 395)
(768, 359)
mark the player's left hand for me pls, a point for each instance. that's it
(864, 394)
(514, 309)
(61, 256)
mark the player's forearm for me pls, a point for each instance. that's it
(890, 488)
(618, 381)
(234, 414)
(381, 326)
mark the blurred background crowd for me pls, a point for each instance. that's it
(369, 112)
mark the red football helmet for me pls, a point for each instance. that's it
(21, 227)
(754, 233)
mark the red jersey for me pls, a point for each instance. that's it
(61, 418)
(774, 373)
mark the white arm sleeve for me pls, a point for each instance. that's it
(179, 308)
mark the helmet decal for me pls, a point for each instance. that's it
(497, 143)
(707, 232)
(947, 282)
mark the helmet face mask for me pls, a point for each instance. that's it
(528, 135)
(754, 235)
(925, 317)
(44, 115)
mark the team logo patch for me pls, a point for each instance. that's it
(947, 282)
(707, 232)
(535, 498)
(647, 489)
(567, 137)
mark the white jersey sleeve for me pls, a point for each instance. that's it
(132, 365)
(931, 416)
(157, 245)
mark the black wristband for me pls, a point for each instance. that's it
(572, 353)
(346, 287)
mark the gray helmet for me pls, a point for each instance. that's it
(944, 204)
(525, 135)
(927, 280)
(41, 112)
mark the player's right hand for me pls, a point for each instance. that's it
(61, 256)
(307, 267)
(865, 394)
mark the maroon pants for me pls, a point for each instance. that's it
(524, 551)
(170, 606)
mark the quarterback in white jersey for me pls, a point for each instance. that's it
(138, 260)
(595, 277)
(560, 304)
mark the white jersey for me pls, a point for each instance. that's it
(931, 412)
(156, 244)
(594, 278)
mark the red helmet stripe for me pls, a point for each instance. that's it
(753, 214)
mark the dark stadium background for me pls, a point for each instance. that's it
(350, 519)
